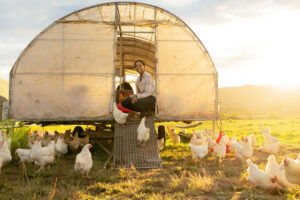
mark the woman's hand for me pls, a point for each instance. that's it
(134, 99)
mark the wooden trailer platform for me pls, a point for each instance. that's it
(126, 149)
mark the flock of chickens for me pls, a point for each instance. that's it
(274, 177)
(43, 150)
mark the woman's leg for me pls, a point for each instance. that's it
(142, 105)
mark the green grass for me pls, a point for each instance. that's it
(180, 178)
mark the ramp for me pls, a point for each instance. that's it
(127, 151)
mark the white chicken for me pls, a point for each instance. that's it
(220, 148)
(42, 155)
(252, 140)
(292, 170)
(259, 178)
(143, 132)
(231, 145)
(5, 139)
(60, 146)
(199, 134)
(273, 169)
(243, 149)
(197, 142)
(5, 152)
(211, 142)
(269, 139)
(118, 115)
(271, 148)
(84, 161)
(24, 155)
(199, 151)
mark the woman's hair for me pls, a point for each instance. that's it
(138, 61)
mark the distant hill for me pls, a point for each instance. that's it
(260, 101)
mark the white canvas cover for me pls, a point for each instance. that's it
(68, 72)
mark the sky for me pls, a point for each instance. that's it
(254, 42)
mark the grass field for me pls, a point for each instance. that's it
(180, 177)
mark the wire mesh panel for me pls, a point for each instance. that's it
(126, 149)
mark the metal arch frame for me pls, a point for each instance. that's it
(14, 68)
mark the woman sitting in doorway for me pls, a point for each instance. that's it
(144, 99)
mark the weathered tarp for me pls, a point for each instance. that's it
(69, 71)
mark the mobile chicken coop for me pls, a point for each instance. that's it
(70, 71)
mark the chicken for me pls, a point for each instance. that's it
(252, 140)
(160, 144)
(24, 155)
(161, 138)
(174, 137)
(5, 152)
(74, 142)
(220, 148)
(84, 140)
(292, 170)
(46, 139)
(42, 155)
(84, 162)
(273, 169)
(211, 143)
(5, 139)
(199, 134)
(196, 142)
(243, 150)
(231, 145)
(118, 115)
(60, 146)
(225, 139)
(199, 151)
(271, 148)
(259, 178)
(143, 132)
(269, 139)
(32, 137)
